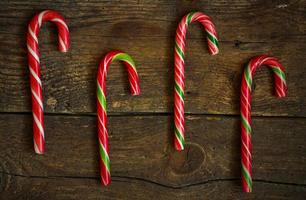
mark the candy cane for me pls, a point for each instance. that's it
(245, 109)
(101, 105)
(34, 67)
(179, 77)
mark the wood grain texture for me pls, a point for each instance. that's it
(141, 147)
(143, 162)
(146, 31)
(36, 188)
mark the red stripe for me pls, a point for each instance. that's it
(35, 66)
(105, 176)
(179, 76)
(101, 79)
(245, 101)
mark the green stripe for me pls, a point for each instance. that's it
(280, 73)
(179, 51)
(126, 58)
(247, 177)
(104, 158)
(179, 91)
(248, 77)
(213, 39)
(246, 124)
(101, 97)
(189, 17)
(180, 137)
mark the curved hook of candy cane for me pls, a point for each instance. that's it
(179, 68)
(34, 67)
(101, 105)
(245, 109)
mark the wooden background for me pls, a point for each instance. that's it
(143, 161)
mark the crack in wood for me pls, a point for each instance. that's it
(2, 181)
(129, 179)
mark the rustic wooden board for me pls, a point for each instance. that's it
(144, 164)
(126, 188)
(143, 18)
(141, 147)
(213, 82)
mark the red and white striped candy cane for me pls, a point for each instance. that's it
(179, 68)
(101, 105)
(34, 67)
(245, 109)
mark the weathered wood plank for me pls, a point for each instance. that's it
(124, 188)
(212, 82)
(159, 18)
(144, 164)
(141, 148)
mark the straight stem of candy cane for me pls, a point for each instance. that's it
(179, 68)
(101, 105)
(245, 109)
(34, 68)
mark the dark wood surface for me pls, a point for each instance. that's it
(144, 164)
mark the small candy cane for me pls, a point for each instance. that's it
(179, 68)
(34, 67)
(101, 105)
(245, 109)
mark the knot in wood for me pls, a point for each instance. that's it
(187, 161)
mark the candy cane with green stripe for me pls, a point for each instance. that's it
(179, 68)
(101, 105)
(245, 109)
